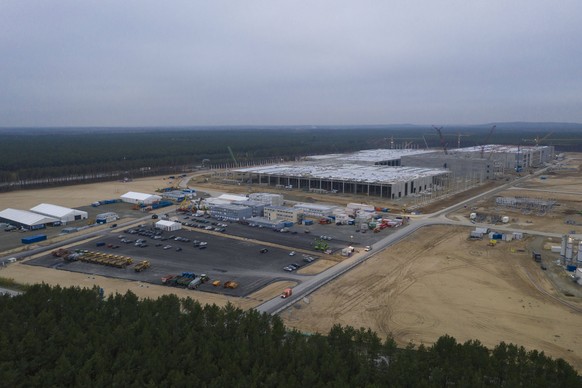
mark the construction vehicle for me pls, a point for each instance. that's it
(60, 252)
(287, 292)
(184, 280)
(320, 245)
(198, 280)
(195, 283)
(230, 284)
(216, 283)
(492, 243)
(166, 280)
(141, 266)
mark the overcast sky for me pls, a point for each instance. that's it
(146, 63)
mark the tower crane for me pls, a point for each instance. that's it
(442, 138)
(487, 140)
(232, 156)
(537, 140)
(459, 136)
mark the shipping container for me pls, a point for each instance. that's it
(570, 268)
(161, 204)
(307, 222)
(287, 224)
(33, 239)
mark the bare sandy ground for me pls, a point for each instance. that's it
(79, 195)
(437, 282)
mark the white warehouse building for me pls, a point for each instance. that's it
(64, 214)
(139, 198)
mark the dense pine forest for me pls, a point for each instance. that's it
(73, 337)
(31, 158)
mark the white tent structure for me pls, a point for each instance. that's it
(64, 214)
(26, 219)
(146, 199)
(168, 225)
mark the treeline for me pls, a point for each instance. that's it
(33, 157)
(71, 337)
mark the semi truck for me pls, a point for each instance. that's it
(287, 292)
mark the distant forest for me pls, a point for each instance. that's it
(31, 158)
(64, 337)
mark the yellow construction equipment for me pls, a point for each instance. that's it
(142, 265)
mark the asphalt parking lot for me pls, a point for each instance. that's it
(226, 257)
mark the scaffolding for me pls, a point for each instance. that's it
(527, 205)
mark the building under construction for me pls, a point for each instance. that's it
(484, 162)
(392, 173)
(526, 205)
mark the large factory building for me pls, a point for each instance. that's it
(372, 180)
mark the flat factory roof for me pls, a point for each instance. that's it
(347, 172)
(496, 148)
(369, 156)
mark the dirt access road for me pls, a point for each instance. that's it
(437, 282)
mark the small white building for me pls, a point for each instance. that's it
(283, 213)
(168, 225)
(213, 201)
(233, 198)
(104, 218)
(314, 210)
(64, 214)
(139, 198)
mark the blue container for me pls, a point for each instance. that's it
(570, 268)
(287, 224)
(33, 239)
(160, 204)
(308, 222)
(497, 236)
